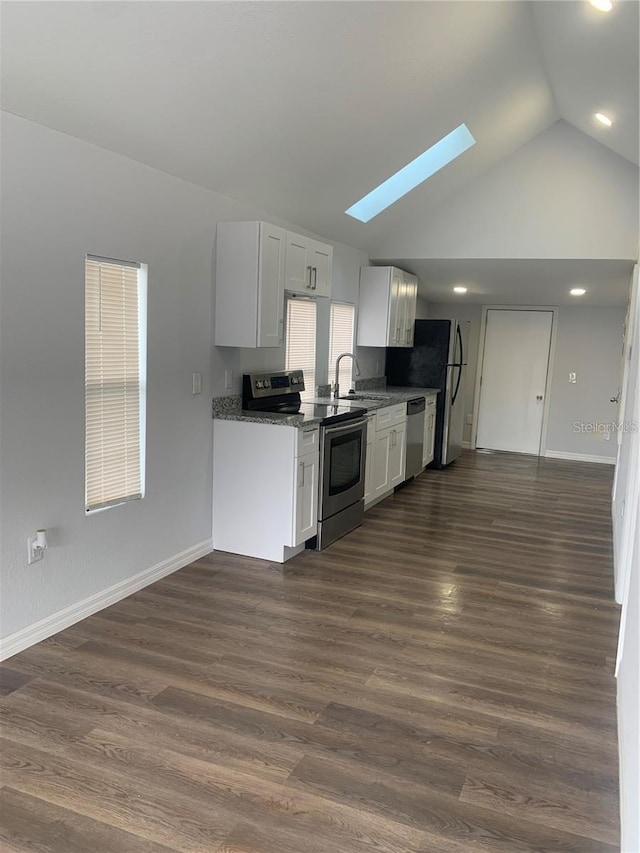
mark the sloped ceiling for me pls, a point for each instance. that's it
(300, 108)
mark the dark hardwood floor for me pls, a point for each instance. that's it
(439, 681)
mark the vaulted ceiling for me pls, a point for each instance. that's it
(300, 108)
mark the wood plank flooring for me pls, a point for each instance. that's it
(439, 681)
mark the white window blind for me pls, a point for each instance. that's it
(301, 342)
(114, 382)
(341, 340)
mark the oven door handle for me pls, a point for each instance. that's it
(350, 426)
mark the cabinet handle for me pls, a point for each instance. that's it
(393, 438)
(408, 336)
(281, 332)
(309, 269)
(300, 474)
(315, 278)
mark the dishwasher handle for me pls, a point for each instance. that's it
(414, 407)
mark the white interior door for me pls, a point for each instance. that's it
(513, 380)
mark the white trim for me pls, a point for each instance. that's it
(579, 457)
(25, 637)
(479, 366)
(466, 445)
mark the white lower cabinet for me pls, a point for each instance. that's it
(306, 498)
(387, 448)
(265, 488)
(428, 445)
(381, 478)
(368, 464)
(397, 454)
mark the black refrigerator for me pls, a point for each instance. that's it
(436, 360)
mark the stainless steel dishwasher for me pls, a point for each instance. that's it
(415, 436)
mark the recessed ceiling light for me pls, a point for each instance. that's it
(603, 119)
(602, 5)
(459, 289)
(577, 291)
(435, 158)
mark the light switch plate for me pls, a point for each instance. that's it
(196, 383)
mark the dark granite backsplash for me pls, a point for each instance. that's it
(373, 383)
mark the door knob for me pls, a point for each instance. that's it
(616, 399)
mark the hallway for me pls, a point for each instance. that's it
(439, 681)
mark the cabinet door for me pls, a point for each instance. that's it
(411, 297)
(394, 313)
(298, 276)
(368, 474)
(397, 453)
(321, 260)
(381, 453)
(368, 463)
(270, 286)
(306, 498)
(402, 312)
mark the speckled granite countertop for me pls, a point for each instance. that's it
(382, 397)
(229, 408)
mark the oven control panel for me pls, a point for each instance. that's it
(275, 383)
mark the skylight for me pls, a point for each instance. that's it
(414, 173)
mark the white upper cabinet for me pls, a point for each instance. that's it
(255, 264)
(410, 304)
(308, 266)
(249, 287)
(387, 307)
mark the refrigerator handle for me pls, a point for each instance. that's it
(455, 393)
(459, 333)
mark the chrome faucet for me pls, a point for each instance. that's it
(336, 386)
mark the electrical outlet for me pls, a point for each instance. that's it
(378, 368)
(573, 378)
(196, 383)
(228, 379)
(469, 420)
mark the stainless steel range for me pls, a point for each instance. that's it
(343, 445)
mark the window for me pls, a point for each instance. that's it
(115, 381)
(413, 174)
(341, 340)
(301, 342)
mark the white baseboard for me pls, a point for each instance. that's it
(466, 445)
(579, 457)
(25, 637)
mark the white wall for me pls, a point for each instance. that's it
(626, 529)
(63, 198)
(562, 195)
(629, 710)
(589, 343)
